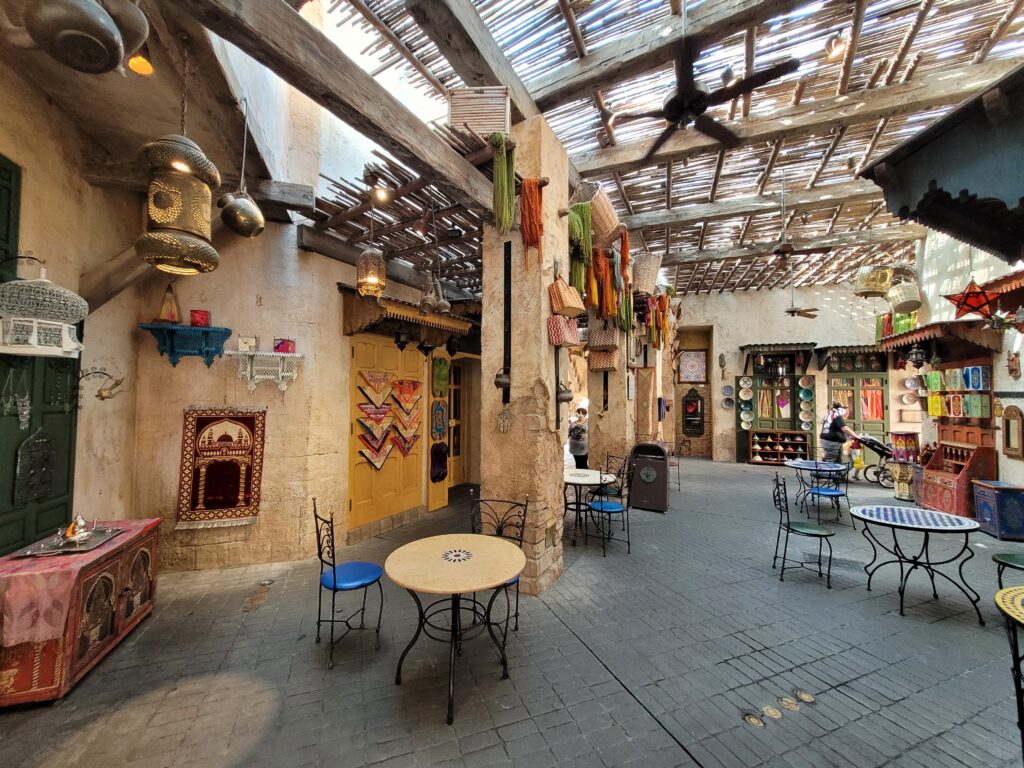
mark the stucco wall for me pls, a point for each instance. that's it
(74, 226)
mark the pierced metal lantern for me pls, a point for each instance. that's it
(371, 275)
(41, 300)
(181, 184)
(872, 281)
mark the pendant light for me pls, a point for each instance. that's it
(241, 214)
(371, 269)
(429, 300)
(179, 199)
(442, 305)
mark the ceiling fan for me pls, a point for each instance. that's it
(784, 248)
(688, 103)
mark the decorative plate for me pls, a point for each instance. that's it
(728, 391)
(728, 403)
(806, 426)
(914, 382)
(746, 425)
(909, 398)
(805, 381)
(806, 394)
(806, 406)
(746, 381)
(746, 415)
(746, 394)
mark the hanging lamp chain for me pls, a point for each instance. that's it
(184, 91)
(245, 141)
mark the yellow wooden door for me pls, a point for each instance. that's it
(456, 428)
(374, 493)
(437, 493)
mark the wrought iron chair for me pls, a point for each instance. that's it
(506, 519)
(342, 577)
(832, 485)
(798, 528)
(1004, 560)
(603, 508)
(616, 466)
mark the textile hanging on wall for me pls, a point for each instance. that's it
(403, 443)
(407, 393)
(438, 462)
(374, 443)
(378, 429)
(376, 381)
(376, 413)
(376, 398)
(377, 457)
(439, 420)
(221, 467)
(408, 423)
(693, 366)
(439, 377)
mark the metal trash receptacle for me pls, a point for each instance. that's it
(649, 486)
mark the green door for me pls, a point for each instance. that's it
(37, 440)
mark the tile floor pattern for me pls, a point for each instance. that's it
(645, 660)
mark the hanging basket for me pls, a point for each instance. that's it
(872, 281)
(603, 359)
(563, 331)
(565, 300)
(646, 267)
(603, 339)
(604, 221)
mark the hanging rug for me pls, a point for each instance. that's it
(378, 457)
(376, 413)
(404, 445)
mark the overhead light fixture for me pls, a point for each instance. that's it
(835, 46)
(382, 194)
(140, 63)
(422, 225)
(371, 269)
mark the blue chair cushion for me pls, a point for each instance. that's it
(608, 507)
(826, 492)
(512, 582)
(354, 575)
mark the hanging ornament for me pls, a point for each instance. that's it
(241, 214)
(917, 356)
(973, 300)
(170, 310)
(371, 269)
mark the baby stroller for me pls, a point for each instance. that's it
(878, 473)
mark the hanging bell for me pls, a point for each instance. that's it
(428, 302)
(241, 214)
(442, 305)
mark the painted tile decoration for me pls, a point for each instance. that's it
(409, 423)
(378, 398)
(407, 393)
(693, 366)
(915, 517)
(374, 443)
(378, 429)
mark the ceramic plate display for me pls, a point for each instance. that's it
(806, 394)
(805, 381)
(746, 415)
(909, 398)
(728, 391)
(806, 426)
(728, 403)
(745, 424)
(914, 382)
(746, 381)
(746, 394)
(806, 405)
(922, 392)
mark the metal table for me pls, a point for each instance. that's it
(927, 522)
(1010, 602)
(455, 565)
(810, 465)
(580, 480)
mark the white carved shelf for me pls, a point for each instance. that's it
(255, 367)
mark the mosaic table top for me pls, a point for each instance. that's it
(1010, 602)
(915, 518)
(821, 466)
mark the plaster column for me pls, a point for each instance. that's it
(668, 387)
(527, 460)
(612, 425)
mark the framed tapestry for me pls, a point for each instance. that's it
(693, 366)
(221, 467)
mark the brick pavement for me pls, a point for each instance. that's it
(647, 660)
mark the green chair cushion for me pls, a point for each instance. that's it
(810, 529)
(1010, 560)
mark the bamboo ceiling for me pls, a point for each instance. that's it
(922, 37)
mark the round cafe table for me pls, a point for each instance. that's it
(454, 565)
(811, 466)
(930, 523)
(580, 480)
(1010, 602)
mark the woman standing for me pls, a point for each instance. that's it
(579, 438)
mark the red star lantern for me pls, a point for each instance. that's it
(973, 300)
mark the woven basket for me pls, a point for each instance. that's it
(645, 272)
(563, 332)
(603, 359)
(603, 339)
(604, 221)
(565, 300)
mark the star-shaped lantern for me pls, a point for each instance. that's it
(973, 300)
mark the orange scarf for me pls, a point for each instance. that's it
(531, 222)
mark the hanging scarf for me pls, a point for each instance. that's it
(583, 227)
(531, 223)
(577, 271)
(504, 183)
(617, 270)
(592, 292)
(624, 254)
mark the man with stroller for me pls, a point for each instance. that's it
(834, 432)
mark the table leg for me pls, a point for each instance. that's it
(1018, 689)
(490, 630)
(456, 624)
(419, 629)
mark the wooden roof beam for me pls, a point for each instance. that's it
(826, 196)
(808, 119)
(650, 47)
(892, 234)
(301, 55)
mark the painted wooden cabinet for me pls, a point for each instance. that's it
(114, 590)
(999, 507)
(947, 478)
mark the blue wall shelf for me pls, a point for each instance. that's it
(178, 341)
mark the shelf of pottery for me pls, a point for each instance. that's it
(777, 446)
(775, 405)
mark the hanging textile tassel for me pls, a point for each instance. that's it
(624, 254)
(504, 183)
(584, 231)
(601, 279)
(592, 292)
(577, 271)
(531, 223)
(617, 271)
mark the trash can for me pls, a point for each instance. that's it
(649, 486)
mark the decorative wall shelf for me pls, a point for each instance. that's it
(178, 341)
(254, 367)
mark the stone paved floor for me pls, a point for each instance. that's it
(647, 660)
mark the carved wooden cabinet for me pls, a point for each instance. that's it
(113, 591)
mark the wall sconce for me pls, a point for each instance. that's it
(425, 348)
(401, 340)
(112, 387)
(452, 346)
(140, 62)
(917, 356)
(503, 379)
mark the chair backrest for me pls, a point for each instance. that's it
(324, 538)
(499, 517)
(615, 465)
(781, 498)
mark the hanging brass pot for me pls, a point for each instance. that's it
(241, 214)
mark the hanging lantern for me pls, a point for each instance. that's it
(39, 318)
(371, 275)
(917, 356)
(181, 184)
(973, 300)
(872, 281)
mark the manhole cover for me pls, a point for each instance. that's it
(769, 711)
(787, 703)
(753, 720)
(804, 696)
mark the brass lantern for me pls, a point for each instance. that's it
(181, 184)
(371, 275)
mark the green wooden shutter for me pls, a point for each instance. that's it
(10, 194)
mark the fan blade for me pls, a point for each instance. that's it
(651, 114)
(756, 80)
(710, 127)
(687, 54)
(660, 141)
(809, 314)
